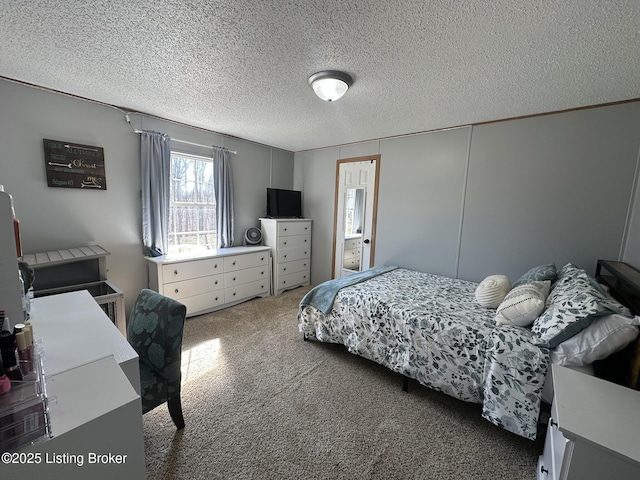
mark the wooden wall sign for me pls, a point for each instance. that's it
(70, 165)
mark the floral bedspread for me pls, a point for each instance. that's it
(431, 329)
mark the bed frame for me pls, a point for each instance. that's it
(623, 281)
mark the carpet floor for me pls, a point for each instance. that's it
(261, 403)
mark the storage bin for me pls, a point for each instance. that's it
(24, 413)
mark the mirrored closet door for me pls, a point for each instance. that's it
(355, 214)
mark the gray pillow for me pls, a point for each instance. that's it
(538, 274)
(572, 306)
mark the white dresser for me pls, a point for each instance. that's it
(213, 281)
(290, 243)
(594, 430)
(352, 252)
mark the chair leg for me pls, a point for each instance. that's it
(175, 410)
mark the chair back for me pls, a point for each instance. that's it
(155, 329)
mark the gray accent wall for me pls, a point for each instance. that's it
(59, 218)
(554, 188)
(495, 198)
(420, 200)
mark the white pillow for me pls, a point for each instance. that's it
(606, 335)
(492, 290)
(523, 304)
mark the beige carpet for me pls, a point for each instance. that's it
(261, 403)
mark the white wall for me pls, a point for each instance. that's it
(495, 198)
(57, 218)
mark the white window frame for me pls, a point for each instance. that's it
(201, 246)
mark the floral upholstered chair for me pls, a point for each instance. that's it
(155, 331)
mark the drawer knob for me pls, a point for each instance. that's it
(553, 423)
(284, 281)
(284, 269)
(262, 259)
(305, 253)
(234, 263)
(234, 279)
(234, 294)
(215, 266)
(285, 229)
(176, 290)
(305, 240)
(261, 273)
(216, 282)
(175, 272)
(543, 470)
(285, 256)
(216, 299)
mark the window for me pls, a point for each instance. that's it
(349, 211)
(192, 207)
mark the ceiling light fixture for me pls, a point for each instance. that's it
(330, 85)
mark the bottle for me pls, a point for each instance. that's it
(23, 295)
(28, 335)
(23, 353)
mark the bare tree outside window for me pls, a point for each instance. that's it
(192, 209)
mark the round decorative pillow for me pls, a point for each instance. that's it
(492, 290)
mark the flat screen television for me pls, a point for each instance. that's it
(284, 203)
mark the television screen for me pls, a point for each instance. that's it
(284, 203)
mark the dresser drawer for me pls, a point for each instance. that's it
(351, 262)
(293, 267)
(194, 286)
(175, 272)
(352, 254)
(247, 275)
(246, 290)
(291, 254)
(293, 228)
(238, 262)
(292, 279)
(352, 243)
(294, 241)
(204, 302)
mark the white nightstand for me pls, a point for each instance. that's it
(594, 430)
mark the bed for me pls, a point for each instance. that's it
(434, 329)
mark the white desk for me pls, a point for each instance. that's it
(92, 382)
(75, 330)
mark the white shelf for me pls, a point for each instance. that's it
(58, 257)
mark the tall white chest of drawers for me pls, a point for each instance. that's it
(211, 282)
(290, 243)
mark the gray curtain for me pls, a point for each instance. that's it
(224, 197)
(358, 210)
(155, 161)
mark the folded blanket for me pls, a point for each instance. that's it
(322, 296)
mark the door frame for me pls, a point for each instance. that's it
(374, 213)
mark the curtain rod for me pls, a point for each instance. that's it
(135, 130)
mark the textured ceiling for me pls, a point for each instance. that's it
(240, 68)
